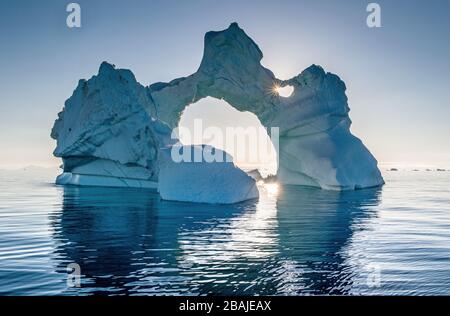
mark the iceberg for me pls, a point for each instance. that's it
(203, 181)
(114, 131)
(106, 134)
(316, 147)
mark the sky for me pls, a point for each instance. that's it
(397, 76)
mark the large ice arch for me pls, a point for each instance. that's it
(316, 147)
(113, 127)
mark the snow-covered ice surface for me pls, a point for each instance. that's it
(113, 127)
(203, 181)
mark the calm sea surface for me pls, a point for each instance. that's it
(394, 240)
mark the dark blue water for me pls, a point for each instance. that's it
(393, 240)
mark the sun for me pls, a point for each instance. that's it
(284, 92)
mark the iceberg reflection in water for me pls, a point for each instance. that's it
(128, 241)
(291, 242)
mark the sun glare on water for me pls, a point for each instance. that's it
(272, 188)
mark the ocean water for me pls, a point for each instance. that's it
(393, 240)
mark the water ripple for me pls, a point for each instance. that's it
(394, 240)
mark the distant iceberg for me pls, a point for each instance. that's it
(113, 131)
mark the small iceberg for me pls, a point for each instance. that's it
(202, 181)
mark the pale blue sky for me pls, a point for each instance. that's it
(397, 76)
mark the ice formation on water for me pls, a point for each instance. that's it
(114, 130)
(203, 181)
(316, 147)
(107, 134)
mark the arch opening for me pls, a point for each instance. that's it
(215, 122)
